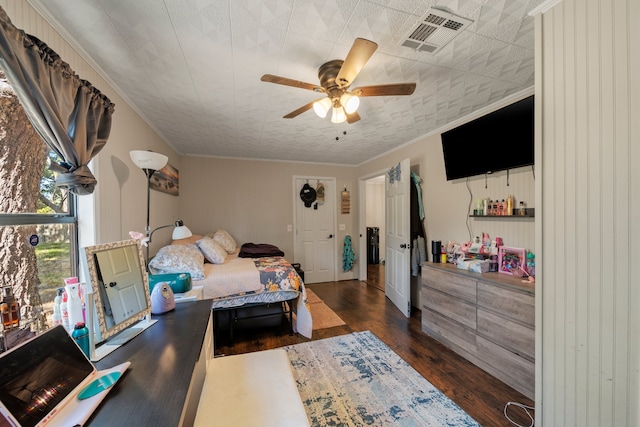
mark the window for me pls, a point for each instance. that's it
(38, 222)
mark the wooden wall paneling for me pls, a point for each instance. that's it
(589, 360)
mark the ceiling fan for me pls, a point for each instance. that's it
(336, 77)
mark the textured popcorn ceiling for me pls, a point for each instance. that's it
(192, 68)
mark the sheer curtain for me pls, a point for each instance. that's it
(71, 115)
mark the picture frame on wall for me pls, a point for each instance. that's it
(510, 259)
(166, 180)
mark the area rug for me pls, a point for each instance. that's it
(323, 316)
(357, 380)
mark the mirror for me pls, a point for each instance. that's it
(119, 291)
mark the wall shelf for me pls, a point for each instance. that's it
(530, 213)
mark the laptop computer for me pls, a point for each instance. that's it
(48, 380)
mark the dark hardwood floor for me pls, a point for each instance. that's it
(365, 307)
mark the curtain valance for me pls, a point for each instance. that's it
(72, 116)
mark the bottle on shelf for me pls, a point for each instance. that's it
(10, 308)
(509, 209)
(522, 209)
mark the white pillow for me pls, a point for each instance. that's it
(212, 251)
(225, 240)
(178, 259)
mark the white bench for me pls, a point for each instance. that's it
(253, 389)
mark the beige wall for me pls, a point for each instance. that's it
(254, 200)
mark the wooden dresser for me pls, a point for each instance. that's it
(487, 318)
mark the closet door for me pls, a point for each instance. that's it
(315, 242)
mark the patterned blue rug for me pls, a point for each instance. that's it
(357, 380)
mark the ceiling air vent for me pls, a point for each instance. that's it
(434, 31)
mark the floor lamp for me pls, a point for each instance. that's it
(151, 162)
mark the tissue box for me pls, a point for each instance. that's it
(178, 282)
(479, 266)
(463, 264)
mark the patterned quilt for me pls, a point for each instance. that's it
(276, 274)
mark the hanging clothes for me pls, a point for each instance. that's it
(348, 256)
(416, 217)
(415, 264)
(418, 255)
(422, 249)
(416, 181)
(418, 235)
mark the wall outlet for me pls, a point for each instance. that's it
(289, 228)
(342, 227)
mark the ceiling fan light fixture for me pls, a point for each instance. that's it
(338, 115)
(322, 107)
(349, 102)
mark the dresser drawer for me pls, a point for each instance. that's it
(453, 308)
(514, 336)
(512, 304)
(451, 284)
(514, 370)
(460, 339)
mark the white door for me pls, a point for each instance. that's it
(120, 271)
(315, 243)
(397, 235)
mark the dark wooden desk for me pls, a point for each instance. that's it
(168, 363)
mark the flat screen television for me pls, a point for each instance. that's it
(497, 141)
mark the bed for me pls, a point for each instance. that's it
(235, 283)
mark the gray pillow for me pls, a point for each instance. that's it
(212, 251)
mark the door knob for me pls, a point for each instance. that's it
(402, 246)
(331, 236)
(112, 284)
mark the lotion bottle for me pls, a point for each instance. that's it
(74, 305)
(64, 312)
(56, 318)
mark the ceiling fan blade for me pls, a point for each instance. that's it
(299, 111)
(357, 57)
(385, 90)
(270, 78)
(353, 117)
